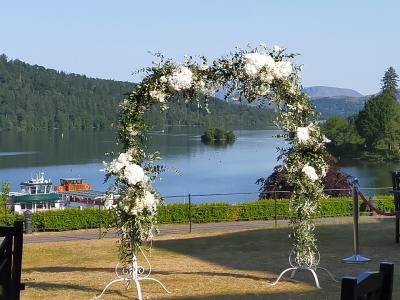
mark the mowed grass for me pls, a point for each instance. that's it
(221, 265)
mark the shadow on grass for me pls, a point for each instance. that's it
(267, 251)
(66, 269)
(47, 286)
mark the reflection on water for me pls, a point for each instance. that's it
(15, 153)
(202, 169)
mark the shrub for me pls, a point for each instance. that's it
(73, 218)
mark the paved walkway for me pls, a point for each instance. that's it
(92, 234)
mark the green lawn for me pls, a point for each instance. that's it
(223, 265)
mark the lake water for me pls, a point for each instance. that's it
(194, 168)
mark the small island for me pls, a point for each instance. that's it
(218, 136)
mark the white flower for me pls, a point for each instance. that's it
(310, 172)
(124, 104)
(251, 70)
(108, 202)
(282, 69)
(180, 79)
(323, 171)
(256, 61)
(326, 140)
(131, 130)
(277, 48)
(117, 164)
(302, 134)
(134, 174)
(157, 95)
(163, 79)
(204, 67)
(150, 202)
(266, 77)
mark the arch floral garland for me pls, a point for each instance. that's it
(251, 74)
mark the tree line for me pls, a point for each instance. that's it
(33, 97)
(375, 131)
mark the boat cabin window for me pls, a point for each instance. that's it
(41, 189)
(33, 189)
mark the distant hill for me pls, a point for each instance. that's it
(339, 106)
(344, 106)
(327, 91)
(33, 97)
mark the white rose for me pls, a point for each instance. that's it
(180, 79)
(163, 79)
(134, 174)
(251, 70)
(302, 134)
(150, 202)
(310, 172)
(256, 61)
(117, 164)
(282, 69)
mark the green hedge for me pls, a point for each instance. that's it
(72, 218)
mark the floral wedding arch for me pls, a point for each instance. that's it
(250, 74)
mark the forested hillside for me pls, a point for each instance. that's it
(33, 97)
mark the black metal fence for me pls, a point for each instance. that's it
(195, 209)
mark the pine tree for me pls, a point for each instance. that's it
(389, 81)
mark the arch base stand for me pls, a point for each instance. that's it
(133, 273)
(297, 269)
(356, 259)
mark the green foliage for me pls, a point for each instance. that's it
(343, 135)
(70, 219)
(178, 213)
(33, 98)
(389, 81)
(375, 132)
(218, 136)
(6, 215)
(379, 121)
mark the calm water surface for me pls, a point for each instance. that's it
(193, 167)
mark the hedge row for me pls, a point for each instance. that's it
(70, 219)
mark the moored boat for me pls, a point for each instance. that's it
(36, 194)
(72, 184)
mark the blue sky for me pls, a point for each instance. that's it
(343, 43)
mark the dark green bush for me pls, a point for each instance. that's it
(70, 219)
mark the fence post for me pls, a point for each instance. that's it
(5, 211)
(356, 258)
(100, 233)
(28, 221)
(190, 213)
(395, 184)
(275, 216)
